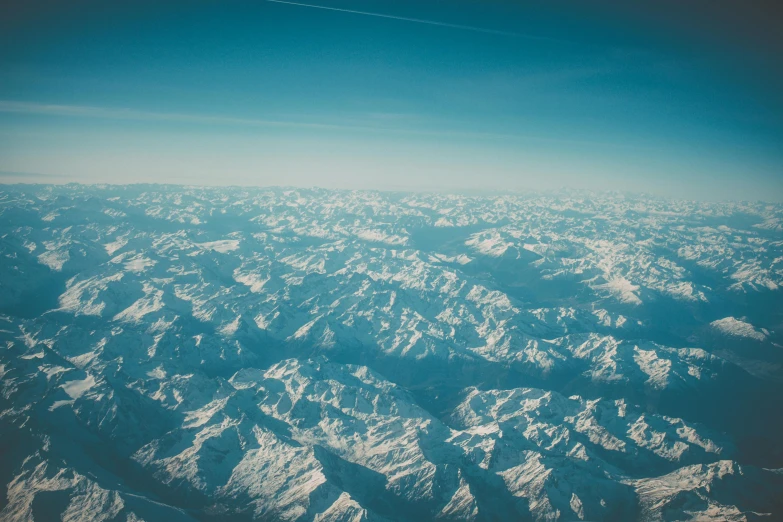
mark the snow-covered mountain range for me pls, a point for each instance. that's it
(183, 353)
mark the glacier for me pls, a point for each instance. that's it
(234, 353)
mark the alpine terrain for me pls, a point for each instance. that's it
(174, 353)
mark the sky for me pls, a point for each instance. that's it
(679, 99)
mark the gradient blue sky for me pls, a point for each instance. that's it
(680, 99)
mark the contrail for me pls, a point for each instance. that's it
(416, 20)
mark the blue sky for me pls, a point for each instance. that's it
(395, 95)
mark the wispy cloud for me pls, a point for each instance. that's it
(112, 113)
(417, 20)
(84, 111)
(25, 175)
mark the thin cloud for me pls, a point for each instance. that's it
(132, 114)
(417, 20)
(14, 174)
(84, 111)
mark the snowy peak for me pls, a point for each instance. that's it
(192, 353)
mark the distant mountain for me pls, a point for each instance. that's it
(183, 353)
